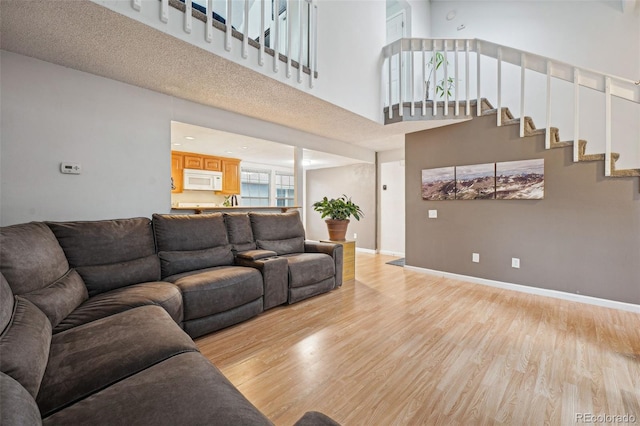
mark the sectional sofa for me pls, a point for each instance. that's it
(97, 318)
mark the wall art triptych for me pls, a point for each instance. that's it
(510, 180)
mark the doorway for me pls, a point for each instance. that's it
(392, 208)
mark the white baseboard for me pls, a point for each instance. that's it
(391, 253)
(364, 250)
(623, 306)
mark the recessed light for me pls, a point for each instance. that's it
(229, 152)
(189, 138)
(245, 147)
(177, 144)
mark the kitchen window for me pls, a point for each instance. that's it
(255, 187)
(284, 189)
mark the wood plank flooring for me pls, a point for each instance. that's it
(398, 347)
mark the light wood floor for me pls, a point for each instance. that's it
(398, 347)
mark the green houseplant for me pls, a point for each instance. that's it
(339, 210)
(435, 63)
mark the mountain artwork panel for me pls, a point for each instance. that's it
(439, 184)
(520, 180)
(476, 182)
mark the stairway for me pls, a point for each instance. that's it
(531, 130)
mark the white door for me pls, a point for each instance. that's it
(395, 31)
(392, 208)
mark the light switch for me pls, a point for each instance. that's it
(433, 214)
(70, 168)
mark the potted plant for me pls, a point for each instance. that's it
(435, 63)
(339, 210)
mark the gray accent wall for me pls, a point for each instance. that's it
(582, 238)
(357, 181)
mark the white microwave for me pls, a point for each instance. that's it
(202, 180)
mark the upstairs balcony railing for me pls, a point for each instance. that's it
(283, 31)
(411, 75)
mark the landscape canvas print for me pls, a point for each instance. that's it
(520, 180)
(476, 182)
(439, 184)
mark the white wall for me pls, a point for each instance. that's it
(590, 34)
(121, 134)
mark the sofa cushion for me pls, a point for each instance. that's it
(91, 357)
(215, 290)
(189, 232)
(183, 390)
(191, 242)
(276, 226)
(60, 298)
(109, 254)
(24, 345)
(17, 407)
(175, 262)
(163, 294)
(30, 257)
(309, 268)
(239, 231)
(281, 247)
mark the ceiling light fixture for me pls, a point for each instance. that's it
(451, 15)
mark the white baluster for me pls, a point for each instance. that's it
(547, 137)
(499, 119)
(245, 38)
(289, 31)
(479, 100)
(262, 40)
(576, 114)
(136, 5)
(457, 107)
(208, 31)
(466, 78)
(390, 59)
(300, 39)
(188, 9)
(412, 94)
(522, 80)
(434, 104)
(401, 81)
(445, 82)
(424, 79)
(607, 126)
(229, 32)
(164, 11)
(275, 36)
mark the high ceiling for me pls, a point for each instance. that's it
(82, 35)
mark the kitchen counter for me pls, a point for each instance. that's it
(200, 210)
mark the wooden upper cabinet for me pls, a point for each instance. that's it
(193, 161)
(212, 163)
(177, 167)
(230, 176)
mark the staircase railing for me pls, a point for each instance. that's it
(406, 60)
(286, 30)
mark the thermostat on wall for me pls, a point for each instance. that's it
(70, 168)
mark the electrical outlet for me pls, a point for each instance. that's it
(475, 257)
(355, 236)
(515, 262)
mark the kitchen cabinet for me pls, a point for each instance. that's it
(177, 166)
(230, 176)
(212, 163)
(230, 168)
(192, 161)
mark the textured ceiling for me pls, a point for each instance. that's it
(85, 36)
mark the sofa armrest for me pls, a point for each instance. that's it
(333, 250)
(275, 276)
(255, 254)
